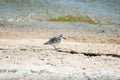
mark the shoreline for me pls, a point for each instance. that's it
(71, 35)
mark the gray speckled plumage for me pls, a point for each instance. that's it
(54, 41)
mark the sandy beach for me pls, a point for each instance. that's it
(91, 50)
(81, 57)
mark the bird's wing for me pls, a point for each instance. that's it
(52, 40)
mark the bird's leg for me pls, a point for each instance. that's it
(55, 48)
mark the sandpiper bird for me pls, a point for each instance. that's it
(55, 41)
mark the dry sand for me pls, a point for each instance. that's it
(24, 57)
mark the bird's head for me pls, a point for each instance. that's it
(62, 36)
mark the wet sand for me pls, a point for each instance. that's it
(81, 57)
(72, 34)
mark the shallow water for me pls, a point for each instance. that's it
(60, 13)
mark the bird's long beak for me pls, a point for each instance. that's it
(64, 38)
